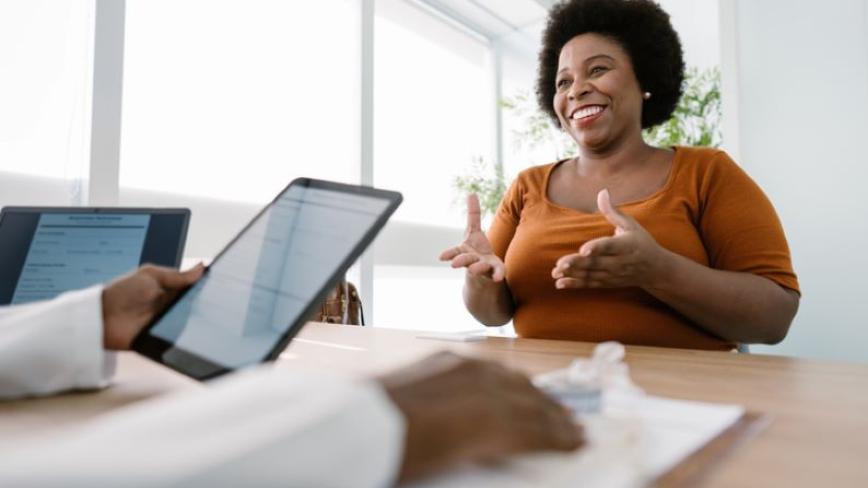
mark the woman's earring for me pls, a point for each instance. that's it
(646, 95)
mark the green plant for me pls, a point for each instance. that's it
(695, 122)
(486, 180)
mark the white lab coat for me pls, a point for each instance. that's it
(263, 427)
(51, 346)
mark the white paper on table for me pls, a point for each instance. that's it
(463, 336)
(629, 444)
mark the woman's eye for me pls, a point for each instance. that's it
(562, 83)
(597, 70)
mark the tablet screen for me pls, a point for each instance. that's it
(265, 280)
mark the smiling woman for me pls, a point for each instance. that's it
(670, 247)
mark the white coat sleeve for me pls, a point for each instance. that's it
(265, 427)
(55, 345)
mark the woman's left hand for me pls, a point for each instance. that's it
(631, 257)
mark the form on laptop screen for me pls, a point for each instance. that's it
(46, 251)
(264, 281)
(74, 251)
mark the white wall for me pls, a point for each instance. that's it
(800, 74)
(697, 26)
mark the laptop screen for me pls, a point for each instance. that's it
(45, 252)
(74, 251)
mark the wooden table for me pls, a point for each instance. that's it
(818, 435)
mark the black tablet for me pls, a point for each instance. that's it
(45, 251)
(264, 285)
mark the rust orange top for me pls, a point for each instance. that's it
(709, 210)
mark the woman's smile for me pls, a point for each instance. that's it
(586, 115)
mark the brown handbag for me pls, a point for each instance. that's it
(341, 306)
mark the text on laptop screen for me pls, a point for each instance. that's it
(73, 251)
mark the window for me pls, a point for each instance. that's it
(225, 102)
(433, 108)
(232, 99)
(433, 105)
(45, 73)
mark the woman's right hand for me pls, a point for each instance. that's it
(475, 252)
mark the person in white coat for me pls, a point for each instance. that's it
(267, 426)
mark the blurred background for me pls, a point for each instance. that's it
(217, 104)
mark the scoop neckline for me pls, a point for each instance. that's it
(660, 191)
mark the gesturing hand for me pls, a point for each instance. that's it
(631, 257)
(475, 252)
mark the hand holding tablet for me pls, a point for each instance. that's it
(261, 289)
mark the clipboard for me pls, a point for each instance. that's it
(692, 469)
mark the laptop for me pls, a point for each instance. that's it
(45, 251)
(265, 284)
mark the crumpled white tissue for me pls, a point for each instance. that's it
(588, 383)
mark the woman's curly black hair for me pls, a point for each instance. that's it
(641, 27)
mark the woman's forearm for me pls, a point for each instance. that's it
(739, 307)
(488, 301)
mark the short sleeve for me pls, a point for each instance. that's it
(740, 228)
(506, 218)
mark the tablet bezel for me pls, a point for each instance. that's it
(201, 368)
(183, 212)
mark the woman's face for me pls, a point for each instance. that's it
(597, 97)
